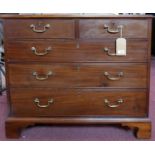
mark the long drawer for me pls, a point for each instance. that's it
(110, 28)
(72, 51)
(107, 75)
(78, 102)
(39, 28)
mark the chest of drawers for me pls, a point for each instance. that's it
(62, 69)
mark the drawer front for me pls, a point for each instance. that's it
(72, 51)
(39, 28)
(109, 28)
(49, 102)
(130, 75)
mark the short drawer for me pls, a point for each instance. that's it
(107, 75)
(39, 28)
(75, 102)
(110, 28)
(72, 51)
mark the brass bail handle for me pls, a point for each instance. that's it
(110, 29)
(114, 78)
(107, 50)
(41, 77)
(46, 51)
(115, 105)
(38, 104)
(44, 29)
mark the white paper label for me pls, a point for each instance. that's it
(121, 46)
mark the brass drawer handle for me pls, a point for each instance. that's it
(37, 103)
(111, 29)
(119, 75)
(108, 52)
(34, 50)
(118, 103)
(45, 27)
(41, 78)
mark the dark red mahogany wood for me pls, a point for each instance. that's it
(69, 86)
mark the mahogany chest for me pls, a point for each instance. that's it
(63, 69)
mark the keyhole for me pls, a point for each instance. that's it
(39, 24)
(113, 25)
